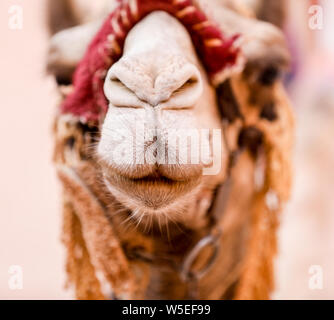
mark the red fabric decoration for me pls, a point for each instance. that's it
(88, 101)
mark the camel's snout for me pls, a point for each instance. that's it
(169, 83)
(156, 138)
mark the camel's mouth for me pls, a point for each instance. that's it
(153, 191)
(155, 180)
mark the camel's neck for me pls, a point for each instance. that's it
(160, 246)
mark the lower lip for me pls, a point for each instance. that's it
(153, 193)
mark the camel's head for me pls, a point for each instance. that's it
(161, 141)
(156, 138)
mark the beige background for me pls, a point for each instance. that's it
(30, 221)
(30, 216)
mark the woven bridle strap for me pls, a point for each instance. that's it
(217, 52)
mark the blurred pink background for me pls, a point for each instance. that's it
(30, 220)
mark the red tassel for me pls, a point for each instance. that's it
(88, 101)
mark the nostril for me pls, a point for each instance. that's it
(117, 82)
(187, 85)
(119, 93)
(164, 94)
(185, 93)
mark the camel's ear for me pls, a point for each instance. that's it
(273, 11)
(67, 48)
(263, 44)
(64, 14)
(266, 52)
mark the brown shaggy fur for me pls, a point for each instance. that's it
(244, 267)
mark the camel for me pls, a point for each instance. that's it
(160, 230)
